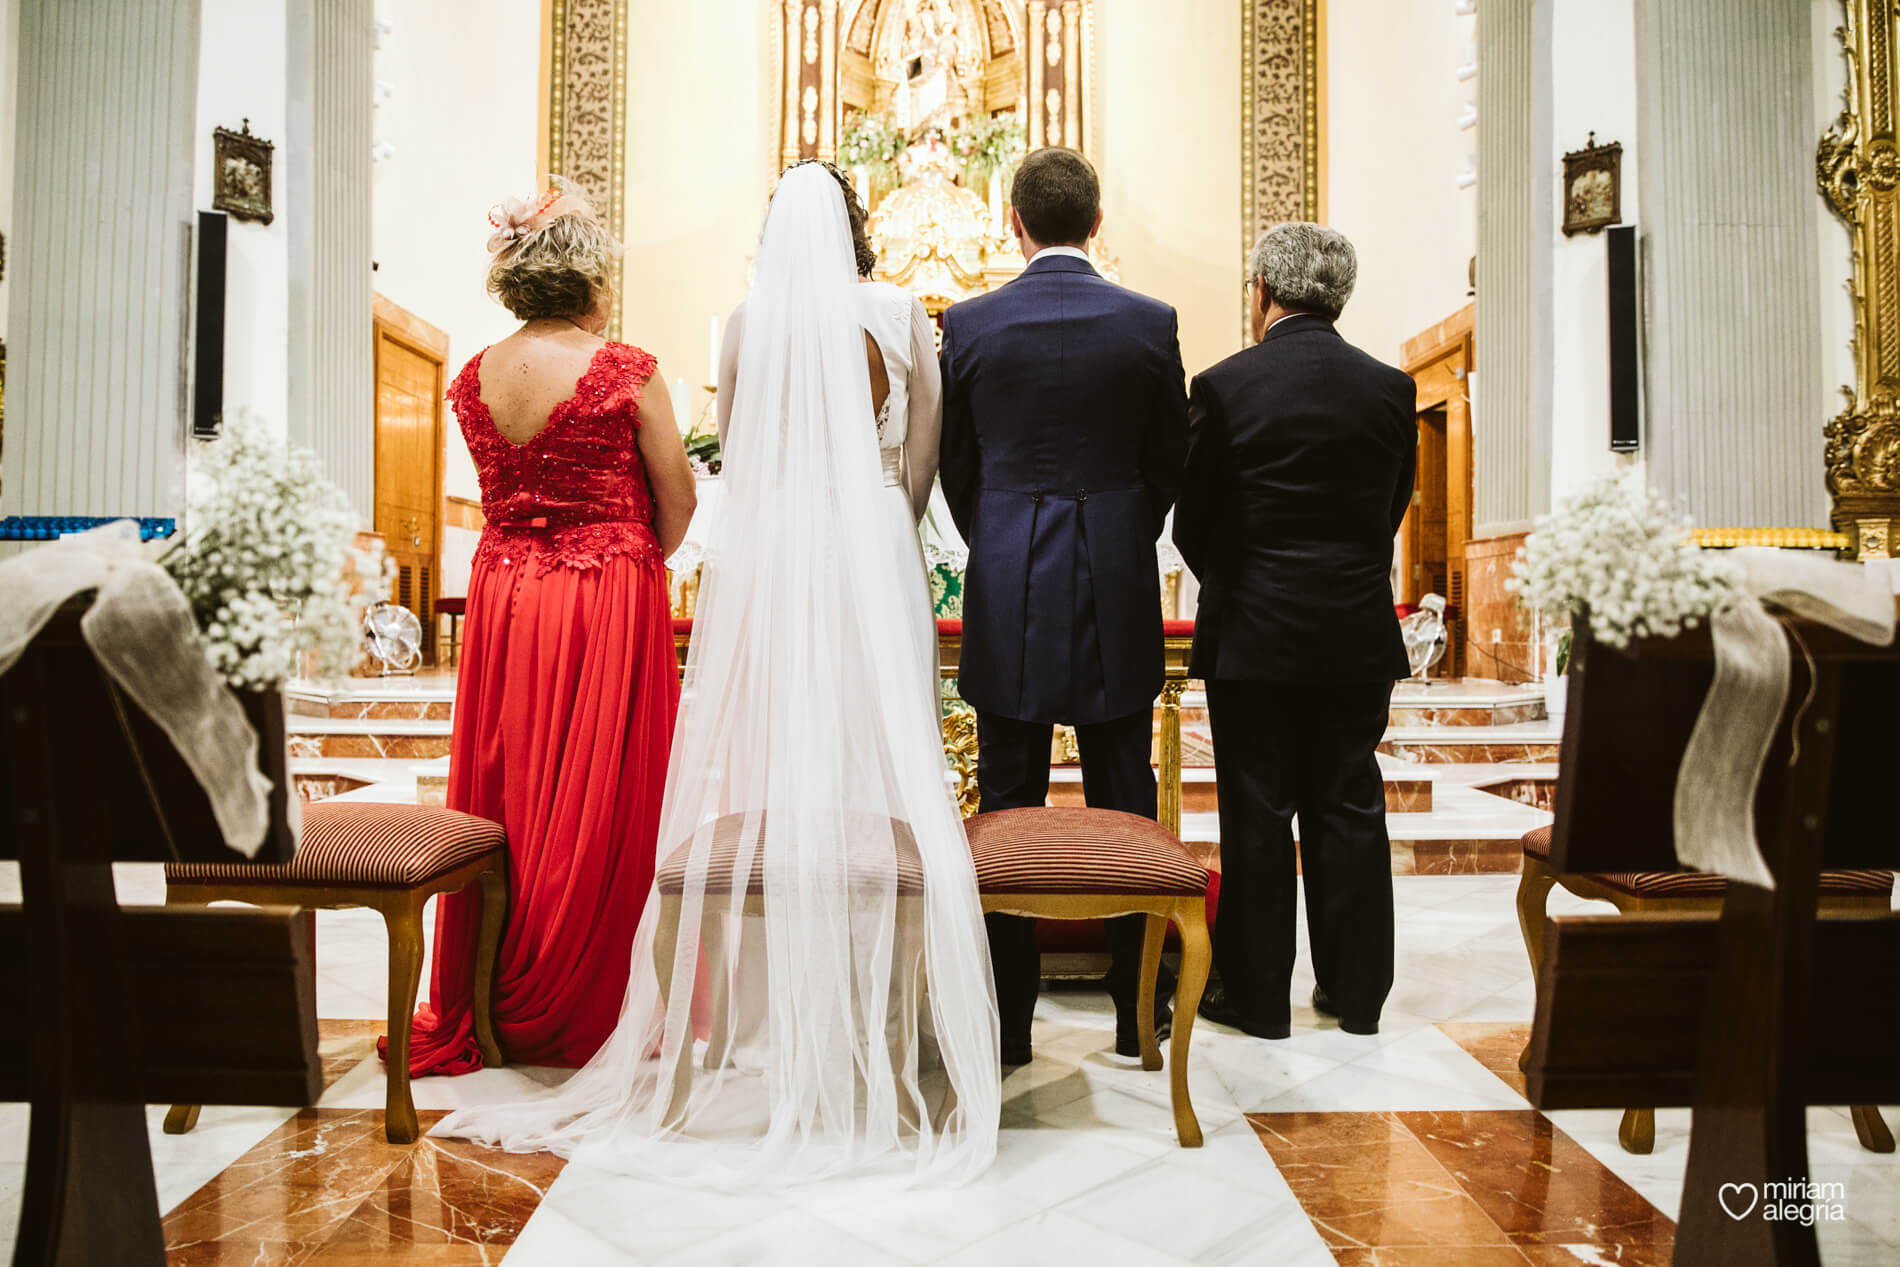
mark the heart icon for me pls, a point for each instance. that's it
(1745, 1195)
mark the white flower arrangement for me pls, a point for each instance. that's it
(267, 560)
(1626, 555)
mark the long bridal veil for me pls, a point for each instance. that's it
(811, 986)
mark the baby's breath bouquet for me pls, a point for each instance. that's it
(267, 559)
(1628, 557)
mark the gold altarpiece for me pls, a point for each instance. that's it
(1858, 166)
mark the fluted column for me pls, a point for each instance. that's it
(1033, 37)
(96, 380)
(1736, 391)
(1071, 74)
(1511, 254)
(332, 374)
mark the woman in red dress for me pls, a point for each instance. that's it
(564, 708)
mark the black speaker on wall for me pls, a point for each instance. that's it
(207, 377)
(1626, 433)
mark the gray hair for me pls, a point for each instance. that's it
(1306, 267)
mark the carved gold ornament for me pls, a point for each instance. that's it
(1857, 169)
(959, 750)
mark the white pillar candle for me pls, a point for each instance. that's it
(996, 199)
(712, 350)
(683, 403)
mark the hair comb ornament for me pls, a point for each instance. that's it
(515, 218)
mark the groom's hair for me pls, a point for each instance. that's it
(1058, 197)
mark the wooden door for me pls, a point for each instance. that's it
(411, 361)
(1438, 527)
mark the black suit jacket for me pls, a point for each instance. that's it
(1064, 430)
(1301, 459)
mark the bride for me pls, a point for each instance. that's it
(811, 986)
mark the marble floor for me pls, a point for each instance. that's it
(1413, 1146)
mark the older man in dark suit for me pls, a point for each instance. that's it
(1064, 430)
(1302, 455)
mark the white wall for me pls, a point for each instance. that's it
(1169, 160)
(241, 74)
(1393, 154)
(1593, 74)
(699, 111)
(463, 116)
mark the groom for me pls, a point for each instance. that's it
(1064, 435)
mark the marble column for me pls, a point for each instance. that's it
(97, 380)
(327, 169)
(1736, 394)
(1512, 250)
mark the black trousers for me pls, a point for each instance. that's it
(1306, 748)
(1012, 772)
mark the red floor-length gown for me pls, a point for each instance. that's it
(563, 717)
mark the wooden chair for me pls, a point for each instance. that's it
(1667, 892)
(1752, 1014)
(115, 1008)
(1068, 864)
(454, 609)
(392, 859)
(728, 837)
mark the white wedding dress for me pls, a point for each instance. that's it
(811, 989)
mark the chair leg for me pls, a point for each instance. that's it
(908, 962)
(713, 936)
(180, 1118)
(487, 953)
(1872, 1129)
(1154, 933)
(1533, 891)
(402, 915)
(1637, 1131)
(1197, 957)
(665, 945)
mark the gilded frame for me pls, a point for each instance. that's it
(1857, 167)
(241, 174)
(1282, 119)
(585, 59)
(1592, 158)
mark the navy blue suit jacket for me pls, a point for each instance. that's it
(1301, 463)
(1064, 434)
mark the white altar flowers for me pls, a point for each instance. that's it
(267, 560)
(1626, 555)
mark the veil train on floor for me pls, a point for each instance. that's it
(815, 921)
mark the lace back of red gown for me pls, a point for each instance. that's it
(563, 716)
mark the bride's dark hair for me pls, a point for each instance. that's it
(854, 211)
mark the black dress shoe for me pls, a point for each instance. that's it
(1324, 1006)
(1128, 1041)
(1015, 1054)
(1215, 1007)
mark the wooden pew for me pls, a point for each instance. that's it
(116, 1008)
(1754, 1015)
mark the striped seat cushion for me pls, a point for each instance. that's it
(1693, 884)
(1080, 851)
(367, 845)
(869, 845)
(1680, 884)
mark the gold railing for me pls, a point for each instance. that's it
(959, 723)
